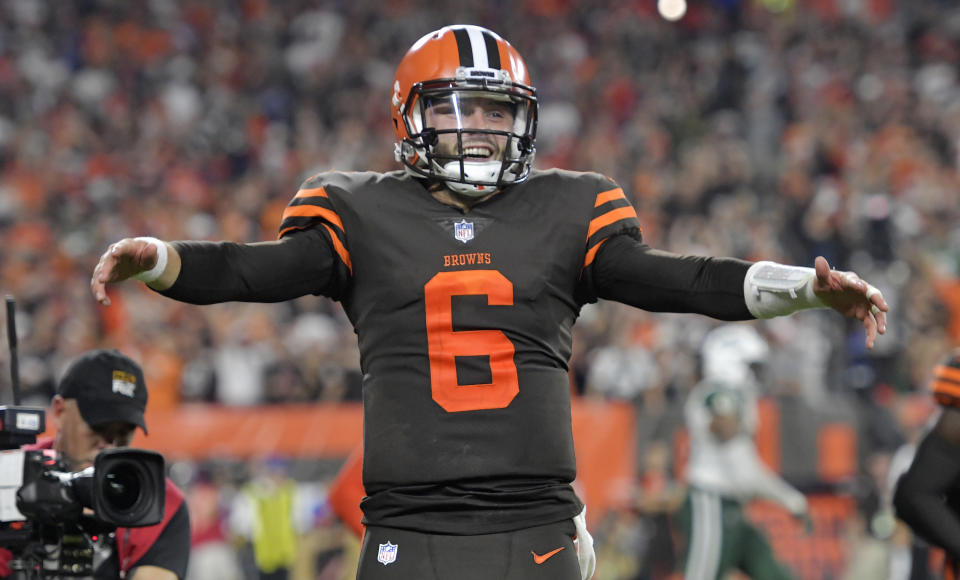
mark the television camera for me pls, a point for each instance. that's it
(53, 521)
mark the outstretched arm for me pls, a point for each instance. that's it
(631, 272)
(211, 272)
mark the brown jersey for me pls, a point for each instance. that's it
(464, 323)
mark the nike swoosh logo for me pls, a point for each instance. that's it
(541, 559)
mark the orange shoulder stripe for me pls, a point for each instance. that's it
(312, 192)
(340, 249)
(312, 211)
(945, 388)
(614, 215)
(946, 372)
(592, 253)
(611, 195)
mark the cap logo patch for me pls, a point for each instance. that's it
(124, 383)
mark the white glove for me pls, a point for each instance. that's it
(584, 544)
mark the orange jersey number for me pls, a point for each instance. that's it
(445, 344)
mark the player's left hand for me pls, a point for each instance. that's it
(851, 296)
(584, 544)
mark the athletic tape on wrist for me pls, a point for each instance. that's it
(771, 289)
(152, 274)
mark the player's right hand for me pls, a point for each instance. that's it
(122, 260)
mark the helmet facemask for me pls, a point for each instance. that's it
(475, 132)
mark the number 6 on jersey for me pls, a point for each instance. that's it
(445, 344)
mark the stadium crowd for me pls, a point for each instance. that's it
(828, 128)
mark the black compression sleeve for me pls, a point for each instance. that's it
(919, 498)
(629, 271)
(213, 272)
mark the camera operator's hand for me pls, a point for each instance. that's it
(5, 557)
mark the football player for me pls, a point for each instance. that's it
(927, 496)
(725, 471)
(462, 274)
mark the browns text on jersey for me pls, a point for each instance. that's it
(471, 259)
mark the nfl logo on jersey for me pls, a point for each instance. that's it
(463, 231)
(387, 553)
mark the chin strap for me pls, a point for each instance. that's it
(474, 171)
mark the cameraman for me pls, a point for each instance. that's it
(99, 403)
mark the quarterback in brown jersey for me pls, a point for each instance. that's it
(462, 274)
(927, 496)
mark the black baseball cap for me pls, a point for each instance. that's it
(107, 386)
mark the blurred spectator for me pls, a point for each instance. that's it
(270, 513)
(658, 497)
(827, 128)
(623, 368)
(212, 554)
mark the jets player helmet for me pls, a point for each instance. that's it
(732, 354)
(449, 70)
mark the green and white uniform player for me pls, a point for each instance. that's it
(725, 471)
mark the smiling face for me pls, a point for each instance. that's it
(471, 114)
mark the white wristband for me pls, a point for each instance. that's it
(772, 289)
(152, 274)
